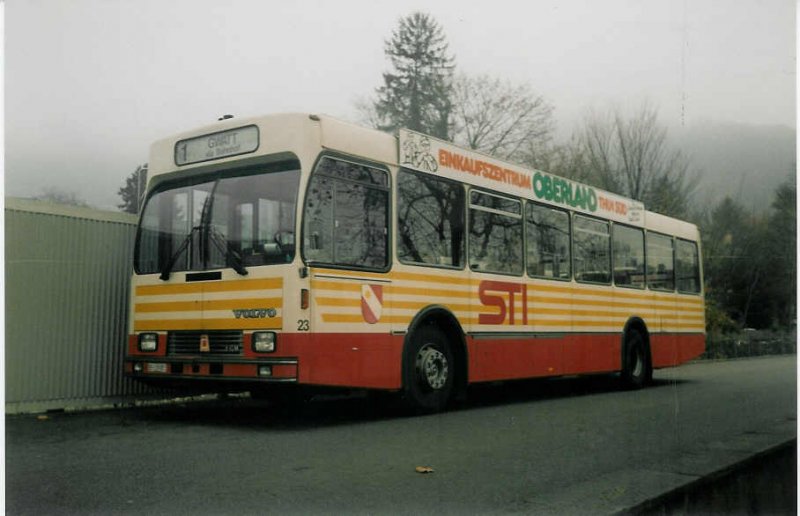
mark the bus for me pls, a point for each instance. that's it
(294, 251)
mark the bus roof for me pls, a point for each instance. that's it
(303, 134)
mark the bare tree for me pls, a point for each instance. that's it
(567, 159)
(500, 118)
(630, 156)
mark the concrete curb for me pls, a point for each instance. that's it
(770, 485)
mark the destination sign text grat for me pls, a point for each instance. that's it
(217, 145)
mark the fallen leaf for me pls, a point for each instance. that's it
(423, 469)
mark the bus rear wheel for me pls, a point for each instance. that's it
(429, 371)
(636, 368)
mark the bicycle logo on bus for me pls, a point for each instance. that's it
(417, 154)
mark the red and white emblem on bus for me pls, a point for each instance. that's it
(371, 303)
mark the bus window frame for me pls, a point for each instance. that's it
(610, 281)
(389, 188)
(699, 292)
(465, 207)
(485, 191)
(568, 213)
(646, 254)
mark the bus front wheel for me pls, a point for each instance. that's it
(429, 370)
(636, 368)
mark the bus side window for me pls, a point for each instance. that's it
(687, 267)
(547, 242)
(591, 247)
(346, 219)
(318, 220)
(628, 250)
(430, 219)
(660, 262)
(495, 226)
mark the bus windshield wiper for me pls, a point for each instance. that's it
(174, 258)
(232, 257)
(198, 228)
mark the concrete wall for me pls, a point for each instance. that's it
(66, 286)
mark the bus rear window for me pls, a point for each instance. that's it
(660, 262)
(687, 267)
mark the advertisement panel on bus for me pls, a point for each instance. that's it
(426, 154)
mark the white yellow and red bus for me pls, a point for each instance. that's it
(298, 250)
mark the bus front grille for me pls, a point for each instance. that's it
(225, 343)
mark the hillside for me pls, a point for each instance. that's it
(745, 162)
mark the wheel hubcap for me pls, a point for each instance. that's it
(432, 368)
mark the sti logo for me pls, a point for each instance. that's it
(500, 294)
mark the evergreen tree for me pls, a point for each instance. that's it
(132, 193)
(416, 93)
(781, 256)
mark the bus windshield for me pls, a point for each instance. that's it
(215, 222)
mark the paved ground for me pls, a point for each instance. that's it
(554, 446)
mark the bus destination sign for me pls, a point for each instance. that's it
(217, 145)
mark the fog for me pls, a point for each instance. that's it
(89, 84)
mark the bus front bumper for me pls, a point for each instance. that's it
(279, 370)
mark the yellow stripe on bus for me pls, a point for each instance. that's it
(333, 285)
(533, 311)
(223, 304)
(617, 293)
(609, 320)
(430, 292)
(433, 294)
(209, 324)
(221, 286)
(533, 288)
(428, 278)
(358, 318)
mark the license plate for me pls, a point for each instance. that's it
(156, 367)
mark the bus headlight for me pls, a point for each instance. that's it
(264, 342)
(148, 341)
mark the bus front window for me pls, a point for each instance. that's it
(229, 221)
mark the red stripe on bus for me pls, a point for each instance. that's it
(375, 360)
(669, 350)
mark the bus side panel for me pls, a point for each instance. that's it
(669, 350)
(515, 358)
(366, 360)
(505, 358)
(592, 353)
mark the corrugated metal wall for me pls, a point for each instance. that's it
(66, 287)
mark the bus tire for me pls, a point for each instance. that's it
(429, 370)
(636, 368)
